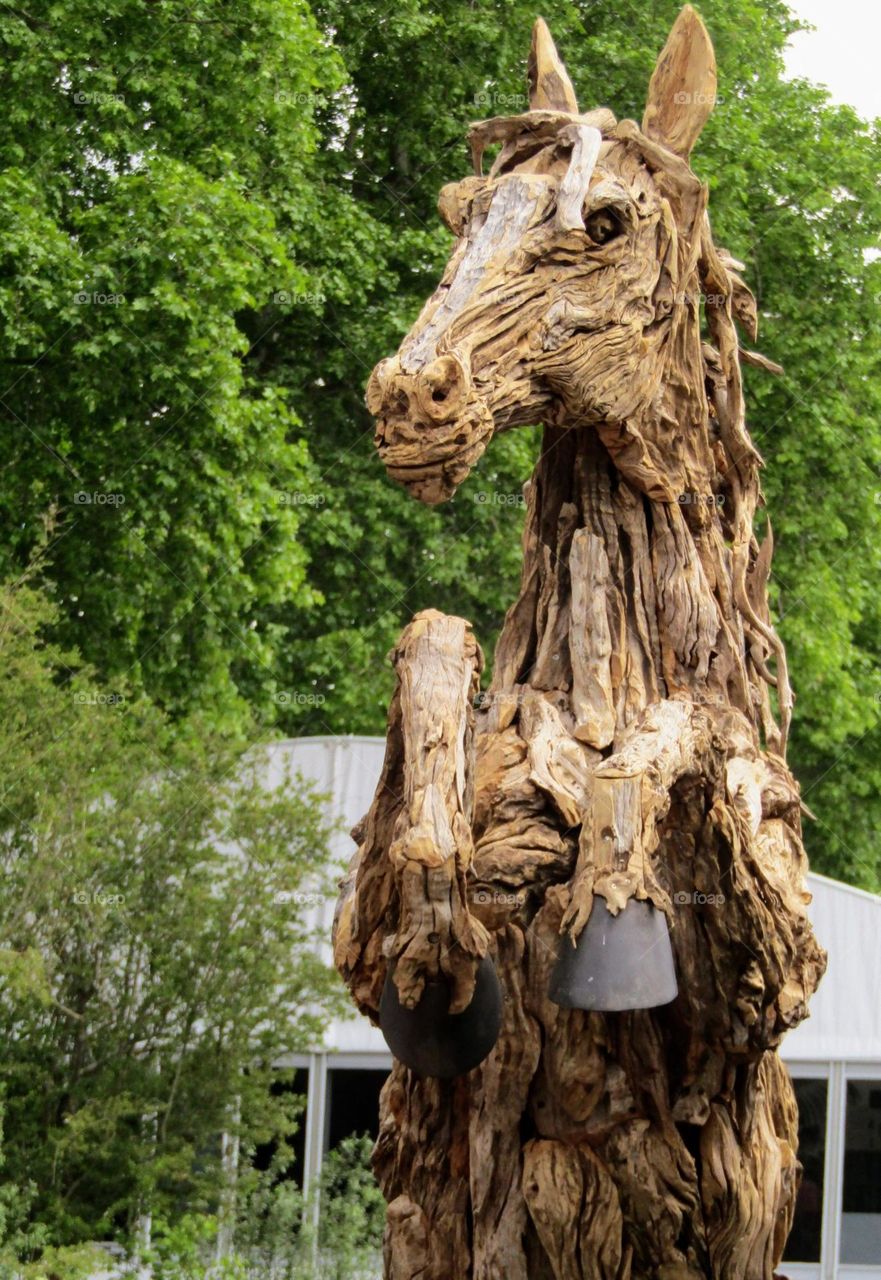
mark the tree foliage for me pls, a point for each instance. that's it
(157, 958)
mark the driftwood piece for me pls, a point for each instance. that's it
(429, 853)
(549, 83)
(590, 641)
(628, 745)
(585, 141)
(560, 764)
(522, 136)
(682, 91)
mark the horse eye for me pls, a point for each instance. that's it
(602, 226)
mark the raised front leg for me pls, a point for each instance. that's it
(438, 663)
(404, 901)
(691, 815)
(629, 797)
(403, 908)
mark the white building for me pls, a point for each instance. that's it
(834, 1057)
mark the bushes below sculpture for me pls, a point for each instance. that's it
(154, 958)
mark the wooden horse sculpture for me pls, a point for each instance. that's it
(627, 751)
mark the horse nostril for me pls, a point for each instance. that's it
(434, 394)
(385, 392)
(443, 386)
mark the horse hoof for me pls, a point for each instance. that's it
(618, 962)
(433, 1042)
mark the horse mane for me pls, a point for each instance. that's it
(727, 302)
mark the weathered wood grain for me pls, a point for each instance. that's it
(631, 742)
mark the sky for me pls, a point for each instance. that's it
(843, 52)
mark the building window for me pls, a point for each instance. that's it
(803, 1244)
(861, 1199)
(353, 1103)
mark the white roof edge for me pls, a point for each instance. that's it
(843, 886)
(319, 738)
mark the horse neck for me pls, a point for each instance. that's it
(624, 599)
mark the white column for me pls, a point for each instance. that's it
(316, 1128)
(229, 1160)
(833, 1172)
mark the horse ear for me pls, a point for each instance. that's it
(550, 88)
(682, 91)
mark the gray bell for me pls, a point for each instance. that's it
(429, 1039)
(618, 962)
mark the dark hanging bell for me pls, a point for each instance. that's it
(429, 1039)
(617, 962)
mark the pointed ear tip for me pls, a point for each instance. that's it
(689, 16)
(690, 25)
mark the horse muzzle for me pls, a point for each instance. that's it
(431, 424)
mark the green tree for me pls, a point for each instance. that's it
(155, 166)
(155, 937)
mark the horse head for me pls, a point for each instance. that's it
(574, 286)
